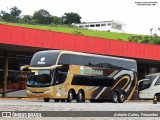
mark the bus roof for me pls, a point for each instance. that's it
(49, 57)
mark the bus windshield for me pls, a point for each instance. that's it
(146, 83)
(39, 78)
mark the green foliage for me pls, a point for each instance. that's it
(42, 17)
(1, 18)
(154, 39)
(135, 38)
(15, 11)
(56, 20)
(77, 32)
(26, 19)
(71, 17)
(12, 16)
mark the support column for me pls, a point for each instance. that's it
(5, 75)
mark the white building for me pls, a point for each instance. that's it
(112, 26)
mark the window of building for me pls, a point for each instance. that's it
(86, 25)
(119, 26)
(108, 24)
(97, 25)
(81, 26)
(92, 25)
(103, 24)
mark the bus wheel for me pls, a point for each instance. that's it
(70, 96)
(115, 97)
(56, 100)
(121, 97)
(46, 99)
(80, 96)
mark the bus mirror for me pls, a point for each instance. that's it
(23, 67)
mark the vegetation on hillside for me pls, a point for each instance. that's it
(42, 19)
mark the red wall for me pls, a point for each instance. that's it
(56, 40)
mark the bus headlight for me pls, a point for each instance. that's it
(28, 91)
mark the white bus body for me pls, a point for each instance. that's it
(150, 86)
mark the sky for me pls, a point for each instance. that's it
(137, 19)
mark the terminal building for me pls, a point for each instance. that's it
(110, 26)
(18, 44)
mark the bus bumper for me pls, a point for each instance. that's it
(45, 94)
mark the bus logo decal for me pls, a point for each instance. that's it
(82, 70)
(94, 72)
(42, 61)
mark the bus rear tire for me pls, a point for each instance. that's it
(115, 97)
(70, 96)
(121, 97)
(80, 96)
(46, 99)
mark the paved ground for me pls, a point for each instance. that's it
(39, 105)
(18, 93)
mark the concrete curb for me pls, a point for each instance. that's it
(25, 98)
(18, 98)
(140, 101)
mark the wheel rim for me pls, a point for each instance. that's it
(122, 97)
(80, 96)
(115, 97)
(70, 96)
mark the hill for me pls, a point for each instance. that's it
(153, 39)
(74, 30)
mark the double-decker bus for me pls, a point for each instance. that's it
(67, 75)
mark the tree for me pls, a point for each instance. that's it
(71, 17)
(1, 18)
(42, 17)
(12, 16)
(15, 11)
(56, 20)
(26, 19)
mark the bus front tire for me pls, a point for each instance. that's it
(121, 97)
(46, 99)
(115, 97)
(80, 96)
(70, 96)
